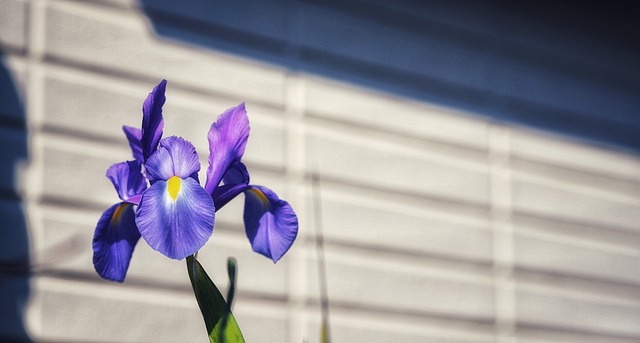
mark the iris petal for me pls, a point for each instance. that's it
(175, 157)
(134, 136)
(225, 193)
(236, 174)
(271, 223)
(128, 180)
(115, 238)
(227, 140)
(176, 227)
(152, 122)
(236, 181)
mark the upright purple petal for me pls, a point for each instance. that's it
(271, 223)
(227, 140)
(115, 238)
(176, 223)
(152, 122)
(128, 180)
(175, 157)
(134, 136)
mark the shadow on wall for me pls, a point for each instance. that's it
(554, 66)
(14, 238)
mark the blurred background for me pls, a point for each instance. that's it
(479, 166)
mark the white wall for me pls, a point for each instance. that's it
(439, 226)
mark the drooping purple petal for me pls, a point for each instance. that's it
(134, 136)
(227, 140)
(128, 180)
(152, 122)
(271, 223)
(176, 227)
(115, 238)
(175, 157)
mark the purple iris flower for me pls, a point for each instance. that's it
(270, 222)
(175, 215)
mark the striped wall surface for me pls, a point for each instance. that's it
(439, 225)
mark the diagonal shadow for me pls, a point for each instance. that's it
(497, 59)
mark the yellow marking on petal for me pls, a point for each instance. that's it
(260, 195)
(173, 186)
(118, 212)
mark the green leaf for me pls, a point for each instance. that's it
(221, 325)
(232, 270)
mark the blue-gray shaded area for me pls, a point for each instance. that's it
(14, 238)
(568, 67)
